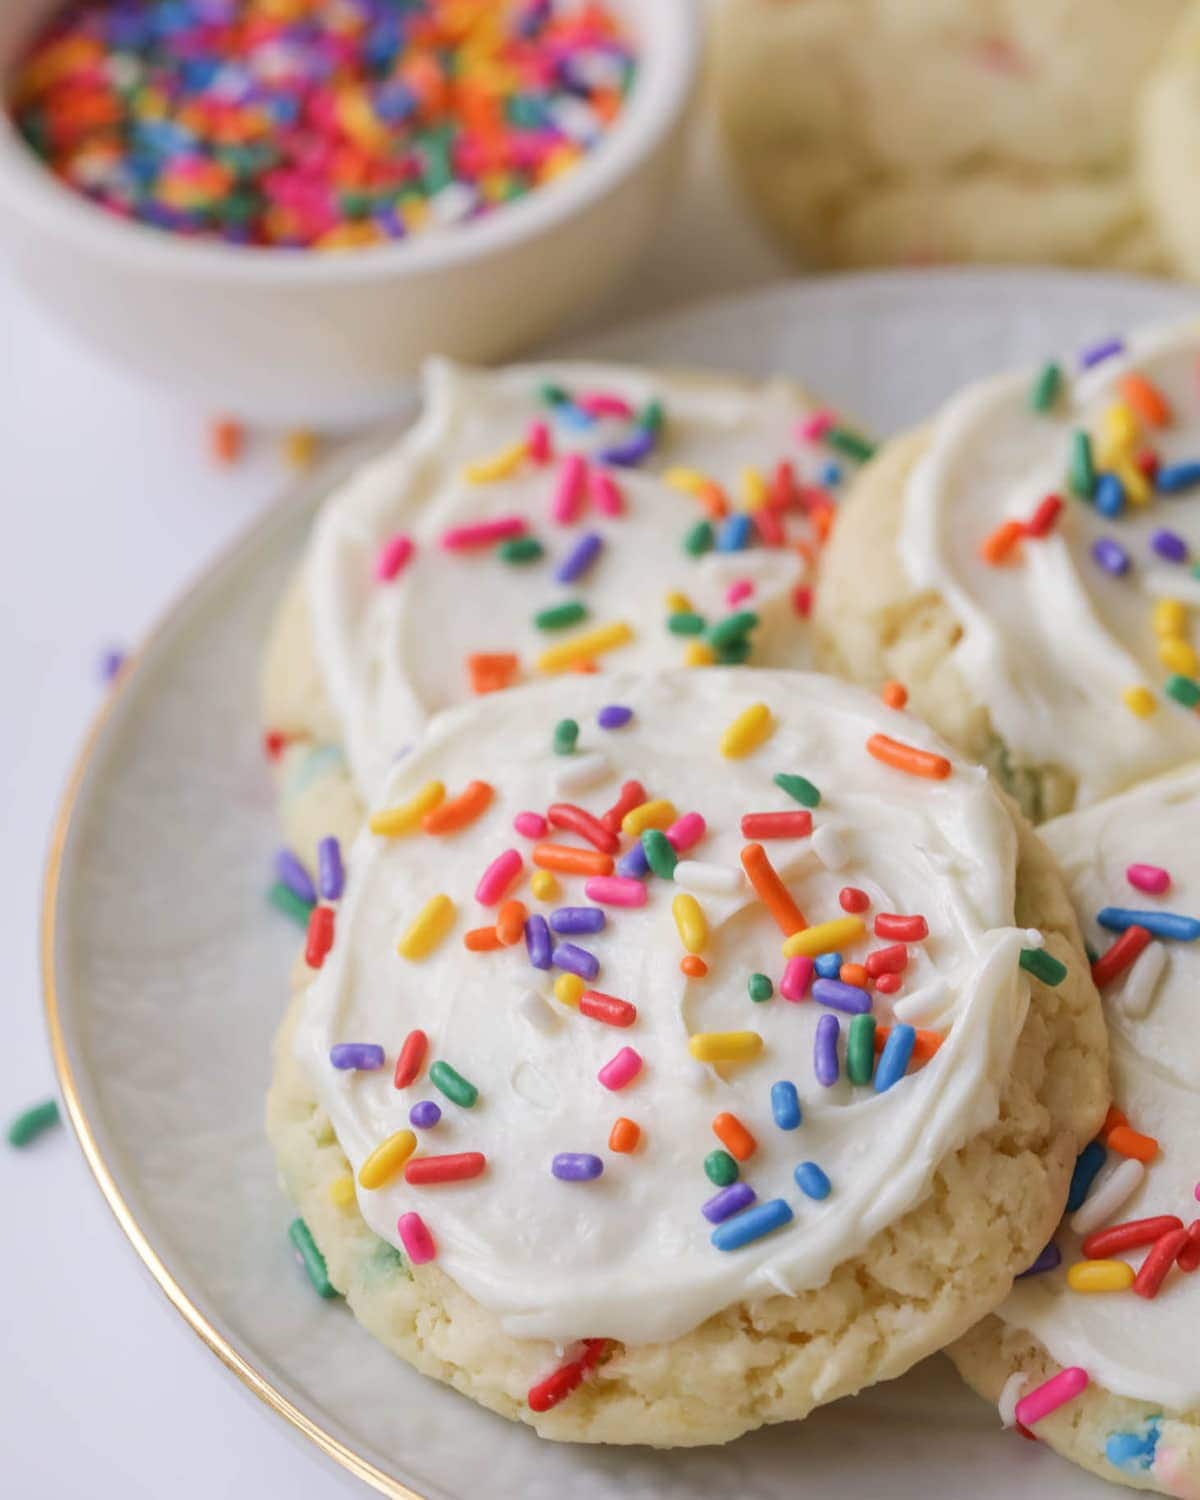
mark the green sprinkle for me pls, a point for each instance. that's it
(699, 539)
(521, 549)
(1082, 469)
(660, 856)
(553, 395)
(566, 732)
(31, 1122)
(760, 988)
(735, 653)
(651, 416)
(1044, 391)
(1185, 690)
(684, 623)
(558, 616)
(720, 1168)
(732, 628)
(314, 1261)
(1043, 966)
(452, 1084)
(852, 444)
(799, 788)
(284, 899)
(860, 1049)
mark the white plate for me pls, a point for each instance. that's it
(166, 972)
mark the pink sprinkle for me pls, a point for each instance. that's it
(615, 890)
(537, 443)
(813, 428)
(686, 831)
(621, 1069)
(796, 975)
(416, 1239)
(1152, 879)
(570, 489)
(739, 589)
(530, 825)
(606, 493)
(603, 404)
(498, 877)
(392, 556)
(482, 533)
(1055, 1392)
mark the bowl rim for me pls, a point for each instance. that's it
(668, 38)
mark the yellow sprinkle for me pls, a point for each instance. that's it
(754, 489)
(747, 732)
(1139, 700)
(825, 937)
(580, 647)
(543, 885)
(499, 466)
(299, 447)
(698, 655)
(1169, 617)
(690, 481)
(677, 603)
(1119, 435)
(1100, 1276)
(657, 813)
(568, 988)
(387, 1159)
(1178, 655)
(689, 922)
(432, 924)
(1133, 481)
(725, 1046)
(394, 821)
(341, 1191)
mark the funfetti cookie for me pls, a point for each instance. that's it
(1025, 565)
(1097, 1349)
(536, 521)
(683, 1052)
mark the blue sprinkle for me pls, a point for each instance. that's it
(1109, 495)
(633, 864)
(1049, 1258)
(1134, 1451)
(733, 534)
(729, 1201)
(1087, 1164)
(577, 919)
(751, 1225)
(537, 941)
(893, 1060)
(580, 558)
(828, 965)
(844, 997)
(831, 475)
(614, 716)
(576, 960)
(1111, 556)
(574, 416)
(785, 1105)
(331, 876)
(811, 1180)
(1175, 477)
(1163, 924)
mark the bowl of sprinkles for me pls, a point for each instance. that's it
(283, 206)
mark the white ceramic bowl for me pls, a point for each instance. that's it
(297, 337)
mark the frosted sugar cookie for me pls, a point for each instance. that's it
(1112, 1315)
(687, 1050)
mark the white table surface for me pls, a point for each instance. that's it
(112, 503)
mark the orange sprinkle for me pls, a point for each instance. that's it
(1146, 399)
(491, 672)
(510, 922)
(1126, 1141)
(482, 940)
(693, 966)
(771, 891)
(569, 861)
(586, 665)
(457, 812)
(227, 438)
(734, 1136)
(894, 694)
(996, 548)
(712, 497)
(908, 758)
(1112, 1119)
(821, 519)
(925, 1045)
(854, 974)
(624, 1136)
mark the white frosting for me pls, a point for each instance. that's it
(1131, 1346)
(629, 1255)
(391, 655)
(1051, 641)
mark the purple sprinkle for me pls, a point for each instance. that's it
(728, 1201)
(537, 941)
(1050, 1257)
(633, 864)
(632, 451)
(844, 997)
(576, 1166)
(424, 1114)
(331, 876)
(293, 874)
(576, 960)
(825, 1051)
(580, 558)
(614, 716)
(1099, 352)
(363, 1057)
(577, 919)
(1111, 556)
(1169, 545)
(111, 662)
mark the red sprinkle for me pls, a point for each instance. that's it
(607, 1008)
(273, 743)
(320, 936)
(578, 820)
(851, 899)
(903, 929)
(1128, 1236)
(633, 794)
(1162, 1257)
(893, 960)
(422, 1170)
(888, 984)
(412, 1055)
(567, 1378)
(1117, 959)
(1189, 1256)
(802, 600)
(1044, 517)
(777, 825)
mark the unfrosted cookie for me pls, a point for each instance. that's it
(543, 519)
(896, 131)
(1024, 566)
(1169, 145)
(1134, 872)
(760, 1033)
